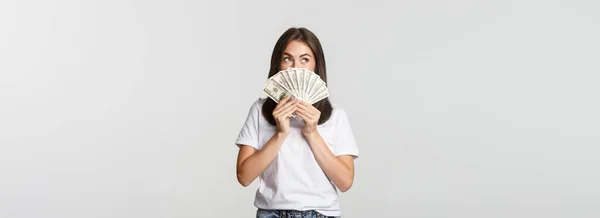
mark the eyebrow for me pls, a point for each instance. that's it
(288, 54)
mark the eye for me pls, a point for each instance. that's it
(287, 59)
(304, 60)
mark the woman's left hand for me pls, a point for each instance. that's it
(310, 115)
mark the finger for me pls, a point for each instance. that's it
(301, 109)
(310, 107)
(289, 113)
(314, 110)
(282, 101)
(284, 105)
(286, 114)
(288, 110)
(303, 116)
(291, 103)
(305, 109)
(306, 116)
(303, 102)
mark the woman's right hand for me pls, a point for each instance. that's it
(282, 113)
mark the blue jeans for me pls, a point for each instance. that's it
(261, 213)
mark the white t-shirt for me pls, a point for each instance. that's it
(294, 180)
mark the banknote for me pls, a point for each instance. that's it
(274, 90)
(300, 83)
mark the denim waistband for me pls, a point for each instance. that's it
(262, 213)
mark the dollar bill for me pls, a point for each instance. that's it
(288, 78)
(274, 90)
(301, 83)
(301, 74)
(320, 96)
(317, 91)
(282, 82)
(294, 78)
(312, 80)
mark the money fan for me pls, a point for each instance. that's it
(300, 83)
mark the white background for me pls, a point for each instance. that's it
(460, 108)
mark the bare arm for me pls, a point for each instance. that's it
(340, 170)
(252, 162)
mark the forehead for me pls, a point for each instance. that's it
(297, 48)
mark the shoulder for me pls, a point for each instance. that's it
(337, 107)
(257, 104)
(338, 113)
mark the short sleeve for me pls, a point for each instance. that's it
(344, 140)
(248, 135)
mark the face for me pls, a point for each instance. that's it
(297, 55)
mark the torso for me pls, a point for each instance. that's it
(294, 179)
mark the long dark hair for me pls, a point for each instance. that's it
(303, 35)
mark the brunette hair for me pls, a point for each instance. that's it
(304, 35)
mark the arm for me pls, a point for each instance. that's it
(340, 169)
(252, 162)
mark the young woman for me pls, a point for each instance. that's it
(301, 161)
